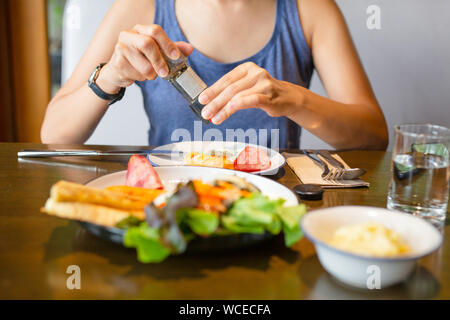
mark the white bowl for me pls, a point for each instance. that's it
(358, 270)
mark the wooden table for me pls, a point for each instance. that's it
(36, 249)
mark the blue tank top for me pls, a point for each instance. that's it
(286, 57)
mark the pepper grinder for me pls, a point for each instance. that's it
(187, 82)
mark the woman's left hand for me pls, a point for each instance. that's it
(249, 86)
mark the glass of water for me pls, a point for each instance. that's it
(420, 171)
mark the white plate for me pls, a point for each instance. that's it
(276, 159)
(172, 175)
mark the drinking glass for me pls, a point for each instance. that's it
(420, 171)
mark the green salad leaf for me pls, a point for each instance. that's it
(290, 217)
(253, 214)
(258, 213)
(275, 226)
(147, 242)
(201, 222)
(292, 236)
(254, 210)
(128, 223)
(230, 223)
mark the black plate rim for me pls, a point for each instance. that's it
(199, 244)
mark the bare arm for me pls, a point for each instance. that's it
(130, 44)
(350, 118)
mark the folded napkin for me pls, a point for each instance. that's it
(309, 172)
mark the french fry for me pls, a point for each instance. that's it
(64, 191)
(147, 195)
(93, 213)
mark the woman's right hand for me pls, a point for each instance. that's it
(138, 56)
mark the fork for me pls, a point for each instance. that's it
(327, 174)
(343, 172)
(337, 170)
(337, 167)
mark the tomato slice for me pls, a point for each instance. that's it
(142, 174)
(252, 159)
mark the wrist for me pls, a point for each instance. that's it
(104, 83)
(298, 99)
(111, 96)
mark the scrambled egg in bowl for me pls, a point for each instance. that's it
(369, 239)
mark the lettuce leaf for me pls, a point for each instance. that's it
(201, 222)
(129, 222)
(275, 226)
(255, 214)
(254, 210)
(258, 213)
(290, 217)
(147, 242)
(231, 224)
(292, 236)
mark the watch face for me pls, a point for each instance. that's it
(99, 92)
(93, 74)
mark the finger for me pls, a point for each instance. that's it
(212, 108)
(213, 91)
(185, 48)
(156, 32)
(127, 73)
(241, 102)
(148, 46)
(140, 63)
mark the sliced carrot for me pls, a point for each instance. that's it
(224, 190)
(209, 200)
(245, 193)
(211, 204)
(207, 189)
(225, 185)
(161, 205)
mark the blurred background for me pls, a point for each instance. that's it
(30, 64)
(55, 13)
(41, 41)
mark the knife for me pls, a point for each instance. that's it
(95, 169)
(335, 163)
(95, 153)
(313, 155)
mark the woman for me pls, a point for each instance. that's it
(256, 56)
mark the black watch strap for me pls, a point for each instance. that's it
(113, 98)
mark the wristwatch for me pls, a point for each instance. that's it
(113, 98)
